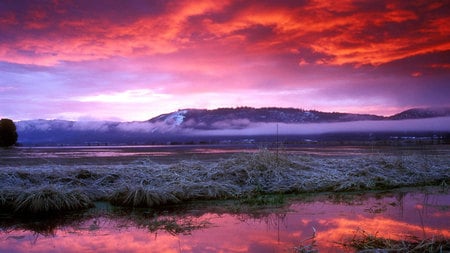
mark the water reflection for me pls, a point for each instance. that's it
(233, 227)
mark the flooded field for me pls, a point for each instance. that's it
(323, 222)
(220, 198)
(173, 153)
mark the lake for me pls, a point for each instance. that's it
(275, 223)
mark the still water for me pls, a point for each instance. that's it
(220, 227)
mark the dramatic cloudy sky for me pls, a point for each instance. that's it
(133, 60)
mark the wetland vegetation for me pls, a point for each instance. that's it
(145, 183)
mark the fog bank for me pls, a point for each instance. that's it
(441, 124)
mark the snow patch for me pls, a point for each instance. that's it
(177, 118)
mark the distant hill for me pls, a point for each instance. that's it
(421, 113)
(241, 117)
(182, 126)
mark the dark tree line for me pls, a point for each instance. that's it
(8, 134)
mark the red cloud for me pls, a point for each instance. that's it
(348, 32)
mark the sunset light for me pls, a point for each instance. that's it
(105, 59)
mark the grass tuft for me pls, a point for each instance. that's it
(49, 199)
(142, 197)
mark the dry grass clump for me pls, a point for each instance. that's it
(208, 190)
(365, 242)
(261, 172)
(49, 199)
(142, 197)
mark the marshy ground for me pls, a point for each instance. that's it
(46, 185)
(143, 182)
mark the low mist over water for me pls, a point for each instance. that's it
(441, 124)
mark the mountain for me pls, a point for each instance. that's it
(185, 126)
(421, 113)
(241, 117)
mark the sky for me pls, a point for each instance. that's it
(132, 60)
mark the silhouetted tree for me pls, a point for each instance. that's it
(8, 134)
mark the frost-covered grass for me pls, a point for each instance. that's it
(52, 187)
